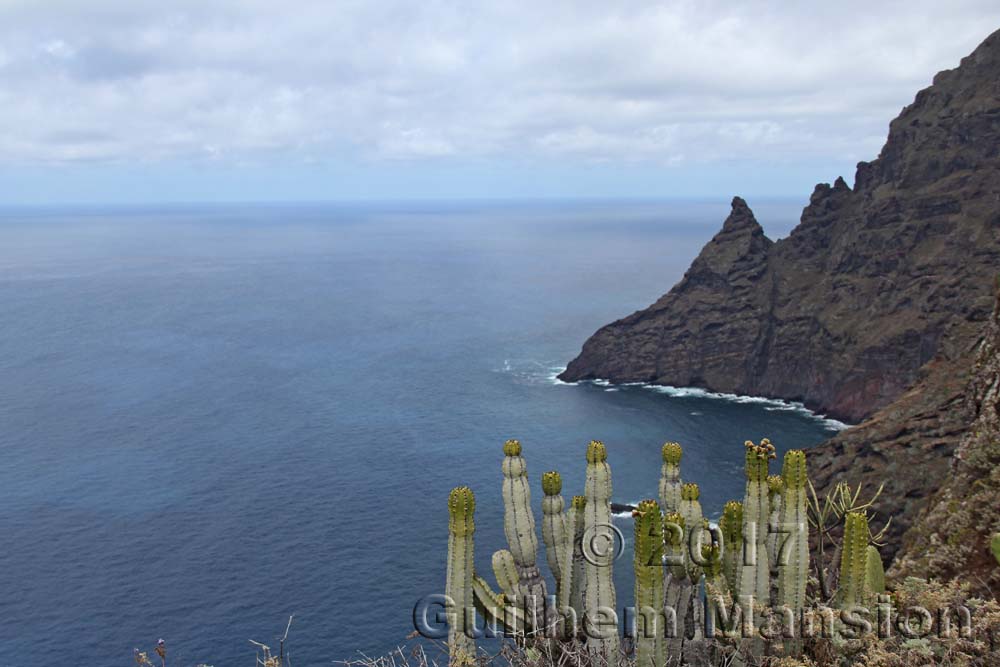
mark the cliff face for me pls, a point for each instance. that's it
(874, 283)
(950, 538)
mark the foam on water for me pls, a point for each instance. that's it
(769, 404)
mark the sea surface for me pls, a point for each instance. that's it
(213, 417)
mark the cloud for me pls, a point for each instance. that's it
(663, 83)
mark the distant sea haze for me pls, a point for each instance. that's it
(216, 417)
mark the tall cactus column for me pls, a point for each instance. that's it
(519, 527)
(578, 579)
(677, 584)
(853, 560)
(793, 564)
(731, 525)
(793, 559)
(458, 586)
(648, 565)
(599, 595)
(557, 533)
(670, 477)
(756, 512)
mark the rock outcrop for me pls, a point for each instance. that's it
(950, 539)
(876, 281)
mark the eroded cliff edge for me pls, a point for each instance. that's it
(875, 283)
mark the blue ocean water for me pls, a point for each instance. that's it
(214, 417)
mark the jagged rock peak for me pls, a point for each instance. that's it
(741, 218)
(844, 312)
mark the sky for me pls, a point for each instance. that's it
(128, 101)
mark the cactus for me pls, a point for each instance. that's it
(519, 526)
(496, 608)
(694, 536)
(649, 584)
(677, 584)
(753, 576)
(599, 594)
(731, 525)
(578, 577)
(793, 562)
(874, 572)
(775, 490)
(670, 477)
(458, 584)
(995, 547)
(557, 533)
(853, 560)
(505, 570)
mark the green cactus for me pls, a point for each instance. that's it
(793, 562)
(496, 608)
(458, 584)
(557, 533)
(874, 572)
(995, 546)
(677, 584)
(599, 594)
(648, 562)
(853, 560)
(505, 570)
(690, 509)
(578, 578)
(519, 526)
(731, 525)
(775, 490)
(754, 573)
(670, 477)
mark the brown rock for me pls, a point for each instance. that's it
(873, 283)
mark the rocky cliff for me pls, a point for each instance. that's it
(950, 538)
(876, 287)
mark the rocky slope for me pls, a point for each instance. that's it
(950, 539)
(875, 282)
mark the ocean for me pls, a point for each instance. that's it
(214, 417)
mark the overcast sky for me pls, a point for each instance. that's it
(248, 100)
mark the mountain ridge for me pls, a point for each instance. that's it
(872, 285)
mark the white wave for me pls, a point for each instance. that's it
(769, 404)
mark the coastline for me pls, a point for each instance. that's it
(770, 404)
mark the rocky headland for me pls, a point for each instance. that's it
(873, 310)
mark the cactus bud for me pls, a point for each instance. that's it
(690, 492)
(579, 502)
(793, 472)
(461, 507)
(551, 483)
(512, 448)
(672, 453)
(596, 452)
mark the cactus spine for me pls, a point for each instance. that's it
(599, 594)
(853, 560)
(670, 477)
(519, 526)
(753, 578)
(731, 525)
(458, 584)
(649, 584)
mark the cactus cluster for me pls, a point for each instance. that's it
(684, 569)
